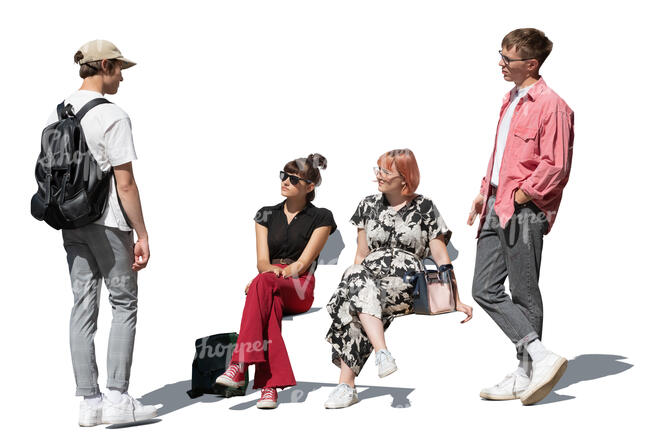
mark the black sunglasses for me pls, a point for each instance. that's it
(293, 179)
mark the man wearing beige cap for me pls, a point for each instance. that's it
(104, 249)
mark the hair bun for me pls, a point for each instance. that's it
(317, 161)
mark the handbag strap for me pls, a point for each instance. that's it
(419, 276)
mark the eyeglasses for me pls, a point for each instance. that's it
(385, 172)
(293, 179)
(508, 60)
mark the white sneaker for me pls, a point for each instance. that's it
(512, 386)
(342, 396)
(546, 373)
(385, 363)
(90, 413)
(128, 409)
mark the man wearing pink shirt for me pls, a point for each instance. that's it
(518, 203)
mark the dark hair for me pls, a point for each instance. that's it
(95, 67)
(530, 42)
(308, 168)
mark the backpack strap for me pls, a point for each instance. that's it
(119, 201)
(90, 105)
(60, 110)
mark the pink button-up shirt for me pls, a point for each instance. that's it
(537, 155)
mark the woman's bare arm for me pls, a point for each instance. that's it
(263, 258)
(313, 248)
(362, 246)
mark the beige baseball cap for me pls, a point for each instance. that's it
(97, 50)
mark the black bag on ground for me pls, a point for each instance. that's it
(72, 188)
(211, 359)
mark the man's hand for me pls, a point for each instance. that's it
(521, 197)
(141, 253)
(477, 206)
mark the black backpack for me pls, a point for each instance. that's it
(72, 188)
(212, 358)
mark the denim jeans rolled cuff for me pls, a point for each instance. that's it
(87, 391)
(531, 336)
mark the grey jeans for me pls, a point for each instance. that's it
(97, 252)
(514, 252)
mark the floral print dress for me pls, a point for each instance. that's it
(398, 240)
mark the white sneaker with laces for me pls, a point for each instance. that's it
(342, 396)
(90, 413)
(545, 375)
(128, 409)
(385, 363)
(512, 386)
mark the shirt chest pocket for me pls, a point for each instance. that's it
(526, 143)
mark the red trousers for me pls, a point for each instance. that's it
(260, 335)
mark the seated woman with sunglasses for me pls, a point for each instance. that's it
(397, 228)
(290, 236)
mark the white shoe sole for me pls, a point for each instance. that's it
(341, 405)
(124, 419)
(534, 395)
(266, 404)
(387, 372)
(90, 423)
(225, 381)
(494, 397)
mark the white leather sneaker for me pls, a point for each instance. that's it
(128, 409)
(342, 396)
(545, 374)
(512, 386)
(385, 363)
(90, 413)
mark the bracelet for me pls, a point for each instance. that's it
(445, 267)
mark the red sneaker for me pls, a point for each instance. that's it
(232, 377)
(269, 399)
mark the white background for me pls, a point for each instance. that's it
(223, 95)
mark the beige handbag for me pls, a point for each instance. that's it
(433, 293)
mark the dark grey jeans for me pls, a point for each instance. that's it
(97, 252)
(514, 252)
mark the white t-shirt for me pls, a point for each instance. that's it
(107, 129)
(502, 134)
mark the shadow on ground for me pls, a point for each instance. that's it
(586, 367)
(173, 396)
